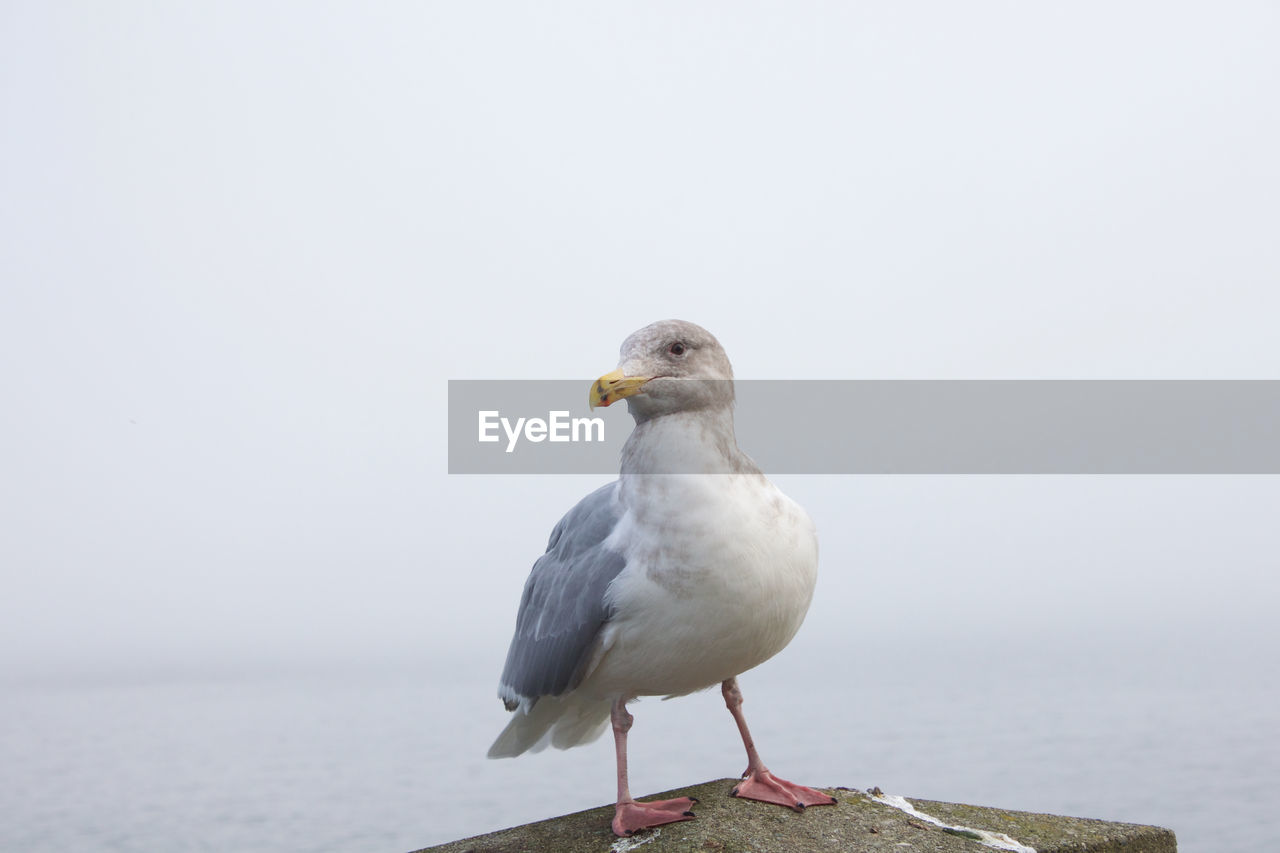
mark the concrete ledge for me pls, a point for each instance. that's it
(726, 824)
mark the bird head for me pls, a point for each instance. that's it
(666, 367)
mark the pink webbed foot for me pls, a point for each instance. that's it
(628, 817)
(764, 786)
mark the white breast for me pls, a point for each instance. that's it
(720, 572)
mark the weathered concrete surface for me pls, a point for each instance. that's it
(726, 824)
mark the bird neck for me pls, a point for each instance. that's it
(697, 442)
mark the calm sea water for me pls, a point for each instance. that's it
(390, 760)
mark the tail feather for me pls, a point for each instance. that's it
(561, 721)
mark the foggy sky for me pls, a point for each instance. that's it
(246, 246)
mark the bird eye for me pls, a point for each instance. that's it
(676, 349)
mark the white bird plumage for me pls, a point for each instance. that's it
(689, 570)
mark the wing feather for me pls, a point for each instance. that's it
(563, 607)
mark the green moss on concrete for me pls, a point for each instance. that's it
(726, 824)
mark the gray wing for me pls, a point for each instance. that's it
(563, 606)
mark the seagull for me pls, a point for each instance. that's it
(688, 570)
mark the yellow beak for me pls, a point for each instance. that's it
(613, 387)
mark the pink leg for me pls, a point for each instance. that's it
(757, 782)
(630, 815)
